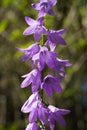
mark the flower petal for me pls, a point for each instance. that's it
(30, 104)
(59, 119)
(27, 81)
(36, 6)
(41, 114)
(30, 30)
(33, 115)
(47, 89)
(30, 21)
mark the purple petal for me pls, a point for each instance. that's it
(61, 31)
(51, 83)
(41, 12)
(37, 33)
(57, 87)
(52, 123)
(51, 59)
(51, 12)
(33, 115)
(29, 52)
(30, 21)
(36, 6)
(64, 111)
(41, 20)
(29, 30)
(41, 62)
(35, 58)
(60, 40)
(64, 62)
(27, 81)
(57, 39)
(59, 119)
(41, 114)
(30, 104)
(36, 81)
(51, 44)
(47, 88)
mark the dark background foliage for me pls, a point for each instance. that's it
(69, 14)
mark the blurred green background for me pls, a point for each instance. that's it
(70, 14)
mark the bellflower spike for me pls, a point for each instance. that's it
(45, 6)
(29, 52)
(35, 27)
(32, 126)
(51, 83)
(41, 56)
(55, 114)
(33, 77)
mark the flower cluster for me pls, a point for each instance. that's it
(41, 57)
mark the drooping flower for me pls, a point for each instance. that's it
(45, 57)
(33, 77)
(54, 38)
(29, 52)
(45, 6)
(35, 27)
(32, 126)
(61, 66)
(55, 114)
(51, 83)
(30, 103)
(36, 108)
(38, 112)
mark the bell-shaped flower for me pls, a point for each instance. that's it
(50, 84)
(35, 27)
(45, 6)
(54, 37)
(29, 52)
(36, 108)
(33, 77)
(45, 57)
(39, 112)
(55, 114)
(31, 103)
(32, 126)
(61, 66)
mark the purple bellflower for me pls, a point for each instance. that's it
(35, 27)
(51, 83)
(33, 77)
(45, 57)
(45, 6)
(29, 52)
(36, 108)
(54, 38)
(55, 114)
(29, 104)
(61, 66)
